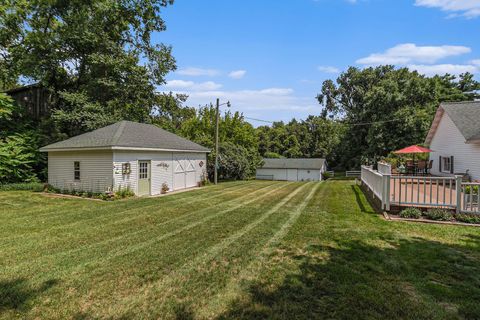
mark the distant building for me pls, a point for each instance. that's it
(292, 169)
(34, 98)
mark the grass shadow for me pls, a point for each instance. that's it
(15, 294)
(407, 279)
(361, 199)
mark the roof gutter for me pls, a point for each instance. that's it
(120, 149)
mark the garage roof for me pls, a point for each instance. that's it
(300, 163)
(127, 135)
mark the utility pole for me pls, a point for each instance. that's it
(216, 141)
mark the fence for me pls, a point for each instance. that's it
(422, 191)
(384, 168)
(356, 173)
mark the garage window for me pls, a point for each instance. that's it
(76, 170)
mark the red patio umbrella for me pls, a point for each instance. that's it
(413, 150)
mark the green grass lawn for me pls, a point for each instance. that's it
(248, 250)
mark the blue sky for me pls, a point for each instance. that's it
(269, 58)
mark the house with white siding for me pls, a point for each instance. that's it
(454, 138)
(292, 169)
(126, 154)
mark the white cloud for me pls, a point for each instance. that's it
(190, 85)
(262, 101)
(476, 62)
(237, 74)
(195, 72)
(441, 69)
(466, 8)
(328, 69)
(411, 53)
(179, 84)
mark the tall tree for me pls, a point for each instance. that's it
(386, 108)
(95, 56)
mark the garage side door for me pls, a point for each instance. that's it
(292, 174)
(190, 176)
(179, 170)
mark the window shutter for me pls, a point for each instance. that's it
(451, 165)
(440, 164)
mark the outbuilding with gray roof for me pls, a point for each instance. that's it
(292, 169)
(141, 157)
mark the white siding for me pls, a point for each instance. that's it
(448, 141)
(162, 167)
(95, 170)
(289, 174)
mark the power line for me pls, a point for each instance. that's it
(350, 124)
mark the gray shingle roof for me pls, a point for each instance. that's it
(293, 163)
(465, 116)
(129, 135)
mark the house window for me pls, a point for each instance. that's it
(143, 174)
(76, 170)
(446, 164)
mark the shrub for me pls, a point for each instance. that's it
(165, 188)
(326, 175)
(438, 214)
(31, 186)
(411, 213)
(123, 193)
(468, 189)
(467, 218)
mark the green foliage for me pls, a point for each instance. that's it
(6, 107)
(96, 58)
(272, 155)
(385, 109)
(18, 155)
(467, 218)
(238, 148)
(438, 214)
(31, 186)
(411, 213)
(326, 175)
(473, 190)
(315, 137)
(123, 193)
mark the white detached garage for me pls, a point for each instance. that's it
(292, 169)
(126, 154)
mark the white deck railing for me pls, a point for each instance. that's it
(384, 168)
(422, 191)
(470, 197)
(374, 181)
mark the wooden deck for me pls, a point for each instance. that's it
(423, 193)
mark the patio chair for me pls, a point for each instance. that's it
(421, 167)
(429, 167)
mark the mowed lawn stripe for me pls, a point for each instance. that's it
(38, 229)
(47, 211)
(219, 302)
(130, 241)
(213, 251)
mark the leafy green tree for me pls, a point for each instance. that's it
(385, 109)
(238, 152)
(96, 57)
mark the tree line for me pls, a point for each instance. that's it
(96, 61)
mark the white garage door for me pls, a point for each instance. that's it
(191, 181)
(184, 175)
(179, 181)
(292, 174)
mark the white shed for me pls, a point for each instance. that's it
(126, 154)
(292, 169)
